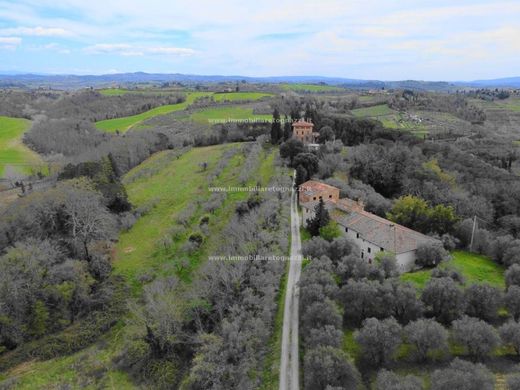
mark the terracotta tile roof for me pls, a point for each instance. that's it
(312, 186)
(379, 231)
(302, 123)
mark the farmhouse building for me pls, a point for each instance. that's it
(370, 232)
(304, 131)
(315, 190)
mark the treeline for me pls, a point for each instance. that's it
(55, 259)
(340, 290)
(453, 104)
(87, 104)
(80, 141)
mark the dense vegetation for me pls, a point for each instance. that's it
(109, 263)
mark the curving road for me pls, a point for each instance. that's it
(289, 365)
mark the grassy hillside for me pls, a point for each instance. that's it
(391, 119)
(474, 268)
(12, 150)
(227, 112)
(123, 124)
(166, 186)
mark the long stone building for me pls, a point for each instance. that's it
(370, 232)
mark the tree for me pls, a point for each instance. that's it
(326, 134)
(87, 219)
(483, 301)
(479, 338)
(510, 335)
(404, 303)
(320, 314)
(443, 299)
(415, 213)
(512, 275)
(379, 340)
(291, 148)
(328, 335)
(307, 160)
(327, 367)
(463, 375)
(287, 129)
(365, 298)
(430, 254)
(321, 218)
(387, 380)
(387, 263)
(513, 382)
(512, 253)
(330, 231)
(276, 128)
(512, 301)
(427, 336)
(301, 175)
(410, 211)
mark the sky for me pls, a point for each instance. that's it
(366, 39)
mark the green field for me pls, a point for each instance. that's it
(301, 87)
(173, 184)
(125, 123)
(144, 91)
(13, 152)
(390, 119)
(474, 268)
(233, 96)
(223, 114)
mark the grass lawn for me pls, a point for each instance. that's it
(474, 268)
(125, 123)
(12, 150)
(301, 87)
(228, 112)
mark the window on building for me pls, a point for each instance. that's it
(314, 198)
(321, 197)
(369, 250)
(346, 230)
(330, 196)
(362, 254)
(357, 235)
(382, 250)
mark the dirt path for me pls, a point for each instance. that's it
(289, 365)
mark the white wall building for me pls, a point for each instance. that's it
(370, 232)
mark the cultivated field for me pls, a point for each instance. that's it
(210, 114)
(125, 123)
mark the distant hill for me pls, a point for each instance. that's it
(29, 80)
(504, 82)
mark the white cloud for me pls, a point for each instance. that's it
(180, 51)
(9, 43)
(11, 40)
(36, 31)
(125, 49)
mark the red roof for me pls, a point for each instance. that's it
(303, 123)
(313, 186)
